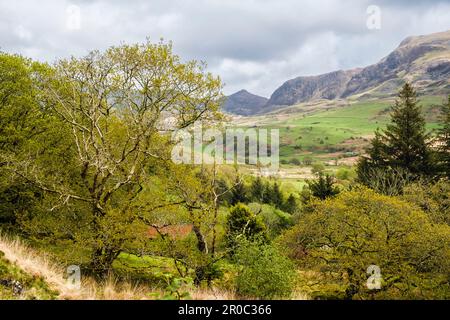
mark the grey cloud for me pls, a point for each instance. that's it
(252, 44)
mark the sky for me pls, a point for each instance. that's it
(251, 44)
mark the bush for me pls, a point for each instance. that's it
(347, 234)
(242, 223)
(345, 174)
(274, 219)
(264, 272)
(434, 199)
(295, 162)
(317, 168)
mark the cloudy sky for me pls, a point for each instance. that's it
(251, 44)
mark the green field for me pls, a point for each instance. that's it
(342, 131)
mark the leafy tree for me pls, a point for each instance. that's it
(275, 220)
(342, 236)
(432, 198)
(26, 129)
(264, 272)
(317, 168)
(112, 104)
(323, 187)
(267, 195)
(243, 223)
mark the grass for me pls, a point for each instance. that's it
(43, 278)
(324, 132)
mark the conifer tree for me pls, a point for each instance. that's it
(257, 190)
(444, 139)
(403, 144)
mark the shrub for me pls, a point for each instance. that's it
(317, 168)
(274, 219)
(346, 234)
(434, 199)
(242, 223)
(264, 272)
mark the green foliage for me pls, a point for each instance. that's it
(239, 192)
(16, 284)
(176, 288)
(433, 198)
(276, 196)
(242, 223)
(101, 161)
(264, 272)
(342, 236)
(403, 144)
(257, 190)
(290, 204)
(317, 168)
(274, 219)
(444, 140)
(323, 187)
(345, 174)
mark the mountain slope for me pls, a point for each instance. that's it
(422, 60)
(244, 103)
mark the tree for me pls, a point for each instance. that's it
(323, 187)
(242, 223)
(264, 272)
(277, 198)
(404, 142)
(257, 190)
(307, 160)
(342, 236)
(290, 205)
(432, 198)
(238, 192)
(113, 104)
(444, 139)
(26, 129)
(317, 168)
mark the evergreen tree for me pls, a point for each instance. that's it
(403, 144)
(277, 196)
(239, 192)
(257, 190)
(323, 187)
(444, 139)
(405, 136)
(290, 205)
(267, 194)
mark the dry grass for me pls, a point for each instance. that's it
(38, 264)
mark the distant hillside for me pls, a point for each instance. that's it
(244, 103)
(422, 60)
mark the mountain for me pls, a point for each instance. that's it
(422, 60)
(244, 103)
(326, 86)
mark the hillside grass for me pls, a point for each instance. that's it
(341, 130)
